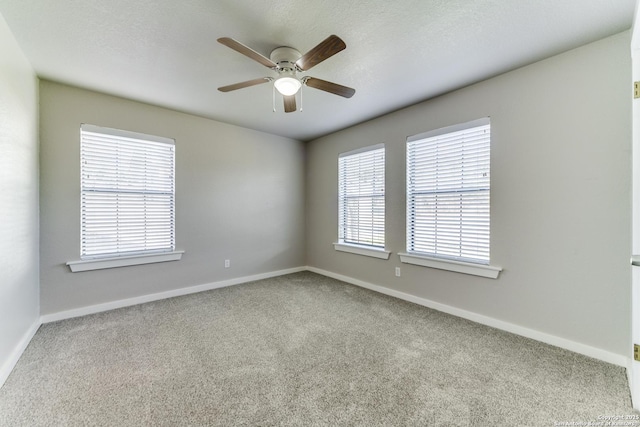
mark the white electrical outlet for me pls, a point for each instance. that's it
(397, 271)
(227, 263)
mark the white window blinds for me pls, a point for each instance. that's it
(128, 193)
(448, 188)
(361, 197)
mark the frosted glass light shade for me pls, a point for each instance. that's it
(287, 85)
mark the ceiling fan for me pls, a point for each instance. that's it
(288, 62)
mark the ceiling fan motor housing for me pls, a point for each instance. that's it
(285, 57)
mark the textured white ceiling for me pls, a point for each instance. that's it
(164, 52)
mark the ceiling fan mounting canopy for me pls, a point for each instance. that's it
(287, 62)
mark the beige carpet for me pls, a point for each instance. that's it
(299, 350)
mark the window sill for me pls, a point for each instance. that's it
(488, 271)
(362, 250)
(99, 264)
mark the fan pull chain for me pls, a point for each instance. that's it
(274, 98)
(301, 97)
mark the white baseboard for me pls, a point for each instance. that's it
(112, 305)
(576, 347)
(631, 379)
(10, 363)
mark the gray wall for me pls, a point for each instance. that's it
(239, 196)
(560, 196)
(19, 285)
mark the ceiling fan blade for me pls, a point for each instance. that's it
(326, 86)
(241, 85)
(289, 103)
(247, 51)
(326, 49)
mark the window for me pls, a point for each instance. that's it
(448, 191)
(127, 194)
(361, 201)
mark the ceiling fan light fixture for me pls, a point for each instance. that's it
(287, 86)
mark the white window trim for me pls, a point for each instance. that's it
(126, 134)
(488, 271)
(450, 129)
(124, 261)
(362, 150)
(362, 250)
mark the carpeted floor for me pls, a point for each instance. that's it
(299, 350)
